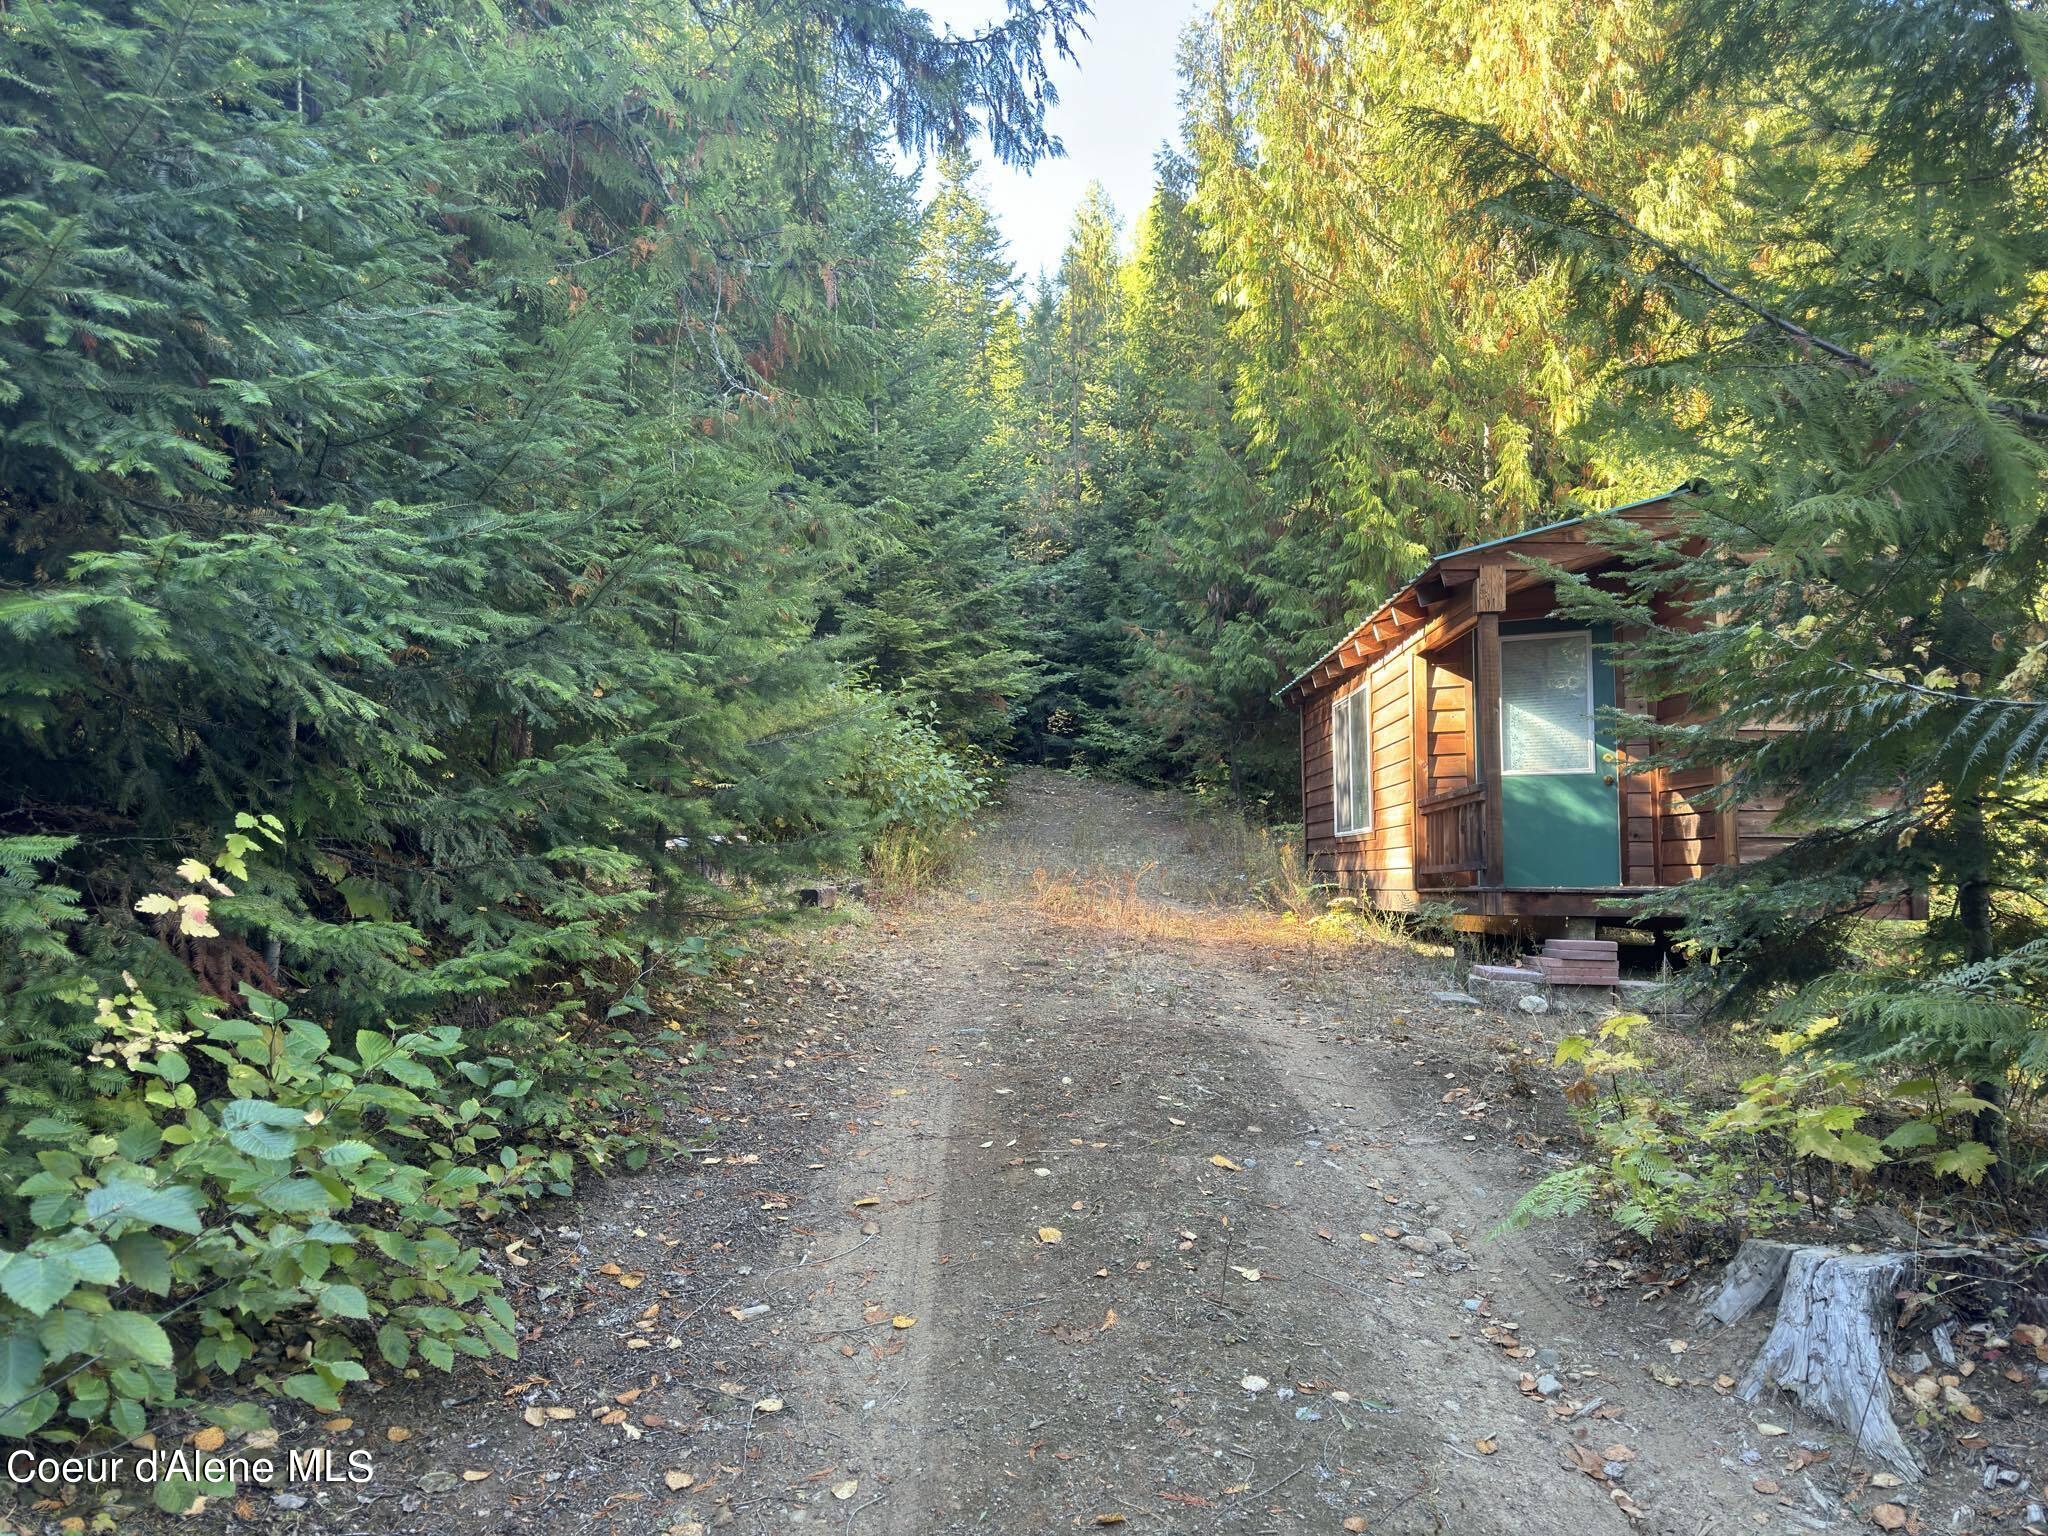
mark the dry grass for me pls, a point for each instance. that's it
(1115, 905)
(905, 868)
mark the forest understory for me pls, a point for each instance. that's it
(496, 500)
(963, 1257)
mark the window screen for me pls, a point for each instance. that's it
(1351, 761)
(1546, 704)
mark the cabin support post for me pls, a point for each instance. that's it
(1490, 597)
(1418, 758)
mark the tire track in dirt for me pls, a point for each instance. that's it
(1121, 1181)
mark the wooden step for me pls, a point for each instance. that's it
(1582, 949)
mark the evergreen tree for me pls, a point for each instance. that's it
(1846, 340)
(406, 422)
(1080, 531)
(933, 614)
(1221, 589)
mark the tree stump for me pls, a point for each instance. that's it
(1751, 1279)
(1827, 1346)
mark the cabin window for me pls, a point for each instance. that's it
(1351, 754)
(1546, 703)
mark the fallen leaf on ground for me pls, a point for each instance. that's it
(1886, 1480)
(1889, 1517)
(474, 1474)
(900, 1320)
(1050, 1234)
(1770, 1429)
(1108, 1321)
(1765, 1485)
(1109, 1519)
(847, 1489)
(1249, 1274)
(211, 1438)
(768, 1405)
(1583, 1458)
(396, 1435)
(678, 1481)
(1223, 1162)
(1486, 1447)
(1355, 1524)
(1253, 1383)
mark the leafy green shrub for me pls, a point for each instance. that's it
(921, 797)
(1663, 1168)
(219, 1196)
(252, 1184)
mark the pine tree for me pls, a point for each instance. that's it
(1222, 582)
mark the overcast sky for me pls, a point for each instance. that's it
(1114, 111)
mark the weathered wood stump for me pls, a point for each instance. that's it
(1827, 1347)
(1751, 1279)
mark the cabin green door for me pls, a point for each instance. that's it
(1560, 801)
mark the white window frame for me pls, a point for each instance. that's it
(1592, 710)
(1353, 699)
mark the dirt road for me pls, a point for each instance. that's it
(1173, 1223)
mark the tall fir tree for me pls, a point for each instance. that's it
(1846, 340)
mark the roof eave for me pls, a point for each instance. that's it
(1288, 690)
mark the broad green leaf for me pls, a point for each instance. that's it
(345, 1301)
(21, 1367)
(1967, 1160)
(145, 1261)
(136, 1335)
(36, 1282)
(258, 1128)
(409, 1072)
(175, 1206)
(66, 1331)
(93, 1263)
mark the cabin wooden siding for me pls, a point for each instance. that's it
(1378, 863)
(1673, 825)
(1672, 830)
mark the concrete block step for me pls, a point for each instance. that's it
(1584, 972)
(1506, 973)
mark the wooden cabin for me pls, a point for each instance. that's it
(1453, 750)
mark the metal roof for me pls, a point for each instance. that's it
(1466, 549)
